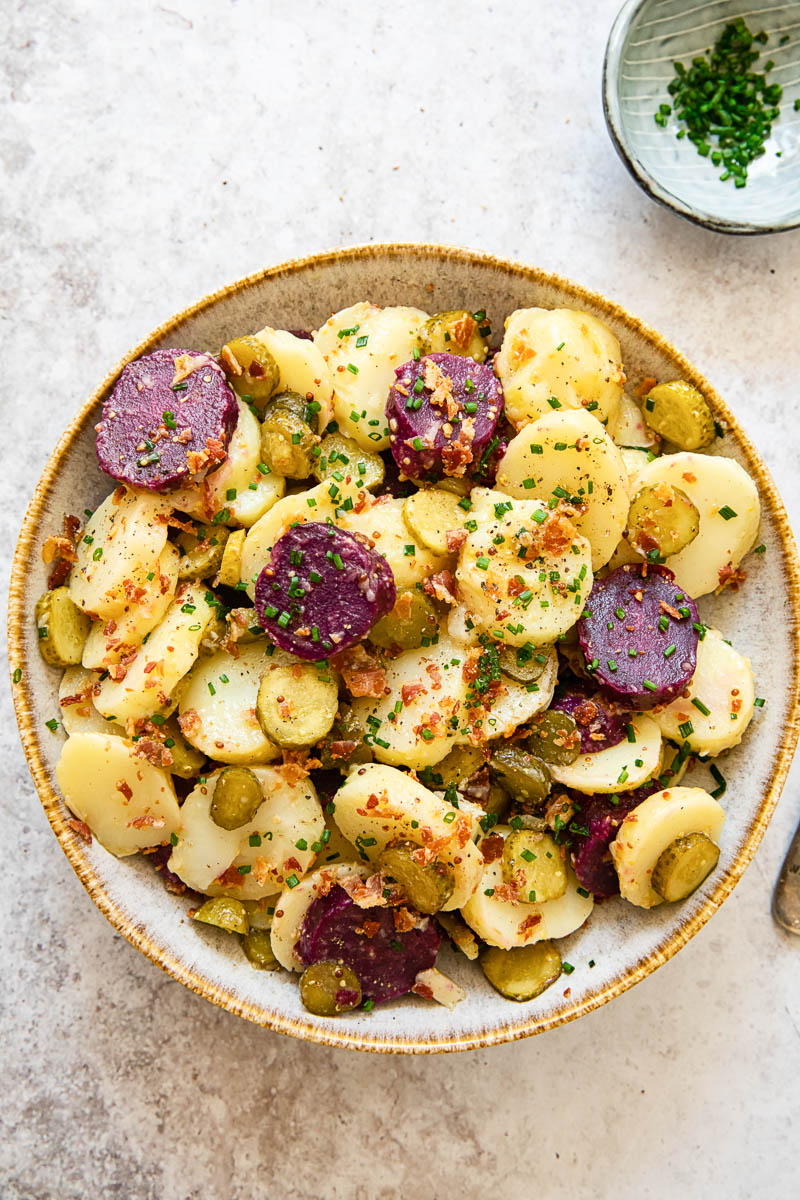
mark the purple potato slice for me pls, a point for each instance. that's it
(169, 417)
(322, 590)
(385, 959)
(638, 635)
(599, 725)
(442, 413)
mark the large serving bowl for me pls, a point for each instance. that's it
(625, 943)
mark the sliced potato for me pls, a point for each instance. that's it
(149, 681)
(558, 358)
(506, 923)
(382, 521)
(517, 599)
(430, 514)
(113, 638)
(616, 769)
(628, 428)
(633, 460)
(727, 500)
(408, 812)
(127, 802)
(362, 361)
(570, 456)
(121, 543)
(297, 704)
(302, 369)
(251, 503)
(293, 904)
(218, 715)
(76, 706)
(719, 706)
(654, 825)
(62, 627)
(456, 332)
(230, 567)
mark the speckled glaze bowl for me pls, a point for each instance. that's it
(624, 943)
(646, 39)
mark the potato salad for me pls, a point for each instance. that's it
(389, 635)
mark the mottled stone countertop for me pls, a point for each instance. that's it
(150, 154)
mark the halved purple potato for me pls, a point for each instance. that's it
(638, 635)
(442, 413)
(598, 722)
(170, 416)
(590, 855)
(322, 590)
(386, 959)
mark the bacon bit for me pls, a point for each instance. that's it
(78, 698)
(230, 877)
(59, 574)
(527, 926)
(146, 821)
(521, 350)
(404, 921)
(367, 893)
(492, 847)
(231, 361)
(261, 871)
(398, 387)
(133, 592)
(342, 749)
(213, 453)
(506, 892)
(455, 539)
(295, 766)
(183, 437)
(81, 828)
(647, 385)
(410, 691)
(559, 805)
(361, 502)
(124, 788)
(154, 752)
(362, 673)
(370, 928)
(434, 670)
(58, 547)
(422, 989)
(736, 706)
(190, 721)
(441, 586)
(186, 364)
(731, 577)
(557, 534)
(586, 712)
(672, 612)
(457, 455)
(440, 386)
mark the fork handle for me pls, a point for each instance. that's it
(786, 901)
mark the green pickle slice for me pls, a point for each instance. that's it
(524, 972)
(288, 438)
(662, 520)
(554, 738)
(429, 515)
(413, 618)
(257, 946)
(680, 414)
(683, 866)
(426, 886)
(338, 456)
(523, 663)
(237, 798)
(329, 988)
(524, 776)
(251, 369)
(63, 628)
(202, 551)
(296, 706)
(224, 913)
(535, 865)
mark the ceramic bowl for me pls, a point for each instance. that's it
(646, 39)
(624, 943)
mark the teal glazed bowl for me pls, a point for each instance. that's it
(647, 37)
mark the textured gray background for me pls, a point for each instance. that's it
(151, 153)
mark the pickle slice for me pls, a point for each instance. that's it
(524, 972)
(680, 414)
(534, 864)
(230, 567)
(683, 866)
(459, 765)
(340, 456)
(251, 369)
(287, 437)
(224, 913)
(257, 946)
(426, 886)
(63, 628)
(297, 705)
(429, 514)
(329, 988)
(186, 760)
(524, 776)
(202, 551)
(554, 738)
(413, 618)
(455, 332)
(661, 521)
(237, 798)
(523, 663)
(344, 746)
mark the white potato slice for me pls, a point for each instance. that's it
(516, 703)
(220, 718)
(436, 986)
(391, 335)
(621, 767)
(508, 923)
(252, 502)
(628, 429)
(722, 684)
(558, 358)
(633, 460)
(461, 627)
(294, 903)
(715, 485)
(290, 813)
(382, 521)
(161, 662)
(377, 804)
(127, 802)
(121, 543)
(78, 713)
(647, 831)
(302, 369)
(518, 600)
(112, 639)
(315, 504)
(570, 454)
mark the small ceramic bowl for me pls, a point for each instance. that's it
(648, 36)
(620, 944)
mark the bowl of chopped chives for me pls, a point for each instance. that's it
(702, 102)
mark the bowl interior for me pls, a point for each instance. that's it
(646, 40)
(623, 943)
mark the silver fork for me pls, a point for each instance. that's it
(786, 901)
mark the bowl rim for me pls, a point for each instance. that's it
(32, 741)
(647, 182)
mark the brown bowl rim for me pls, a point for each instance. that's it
(136, 934)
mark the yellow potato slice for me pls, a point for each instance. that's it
(723, 686)
(615, 769)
